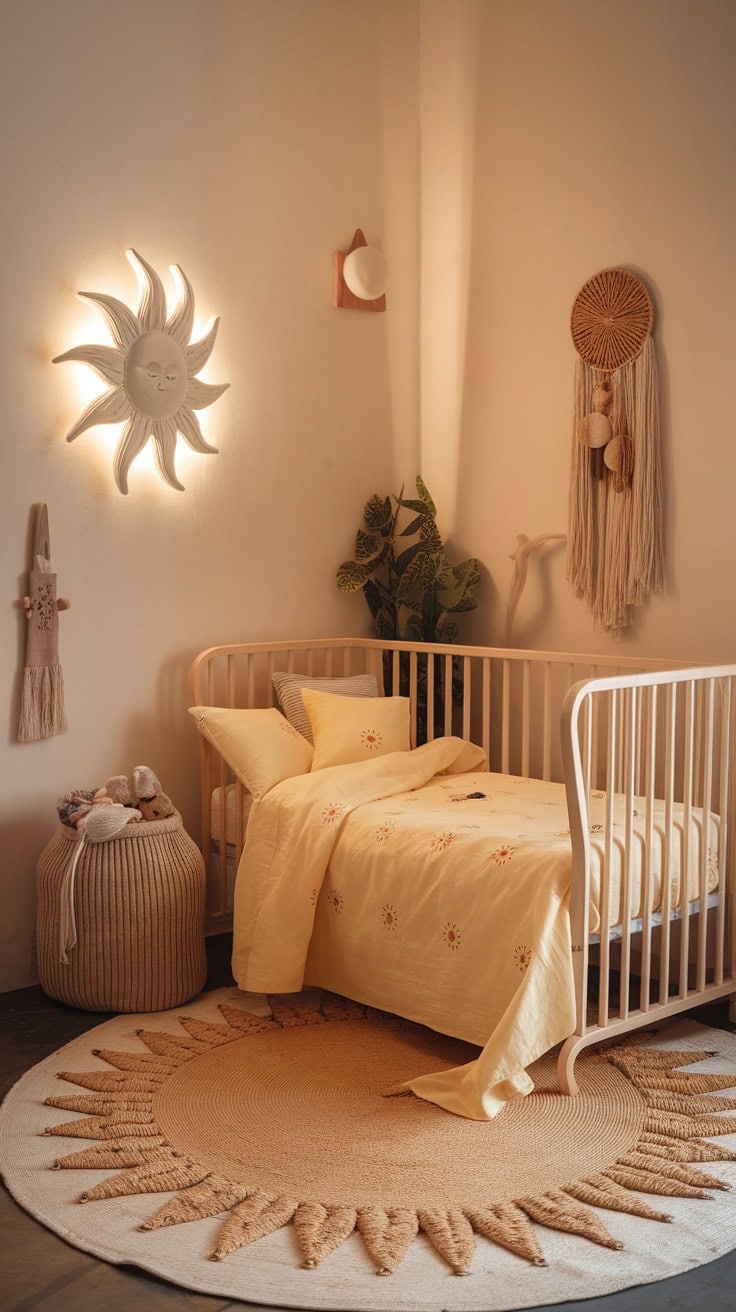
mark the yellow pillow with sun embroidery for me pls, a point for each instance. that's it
(260, 746)
(348, 729)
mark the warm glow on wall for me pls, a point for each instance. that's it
(151, 370)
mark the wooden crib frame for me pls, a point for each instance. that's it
(618, 725)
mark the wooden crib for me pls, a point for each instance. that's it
(622, 729)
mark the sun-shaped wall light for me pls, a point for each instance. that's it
(151, 369)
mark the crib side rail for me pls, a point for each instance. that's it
(654, 753)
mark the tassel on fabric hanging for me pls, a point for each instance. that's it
(615, 548)
(42, 711)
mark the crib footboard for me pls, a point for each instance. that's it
(649, 776)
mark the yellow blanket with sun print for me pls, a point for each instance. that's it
(465, 907)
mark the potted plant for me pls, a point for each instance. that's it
(408, 580)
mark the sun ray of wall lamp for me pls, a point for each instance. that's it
(360, 277)
(151, 370)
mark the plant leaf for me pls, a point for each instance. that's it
(411, 628)
(404, 560)
(417, 506)
(425, 497)
(368, 546)
(351, 576)
(378, 512)
(413, 527)
(459, 594)
(385, 623)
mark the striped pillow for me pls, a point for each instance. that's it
(289, 692)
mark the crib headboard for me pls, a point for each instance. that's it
(507, 700)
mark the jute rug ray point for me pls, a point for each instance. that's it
(288, 1176)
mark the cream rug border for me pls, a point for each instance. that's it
(269, 1271)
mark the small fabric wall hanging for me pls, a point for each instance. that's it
(42, 699)
(615, 551)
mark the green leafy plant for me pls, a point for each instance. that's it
(408, 580)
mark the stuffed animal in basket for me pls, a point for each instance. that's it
(152, 803)
(145, 796)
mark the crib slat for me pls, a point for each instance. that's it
(669, 785)
(505, 717)
(250, 698)
(547, 723)
(413, 696)
(687, 821)
(222, 840)
(594, 735)
(525, 718)
(630, 703)
(604, 896)
(646, 873)
(448, 696)
(467, 696)
(486, 709)
(587, 718)
(705, 832)
(430, 697)
(723, 828)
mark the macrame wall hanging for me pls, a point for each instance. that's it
(615, 553)
(42, 698)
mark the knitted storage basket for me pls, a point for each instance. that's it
(137, 906)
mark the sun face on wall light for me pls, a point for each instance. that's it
(151, 369)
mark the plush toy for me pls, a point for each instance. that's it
(152, 803)
(116, 789)
(145, 796)
(107, 821)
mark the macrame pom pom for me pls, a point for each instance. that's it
(618, 456)
(594, 430)
(601, 399)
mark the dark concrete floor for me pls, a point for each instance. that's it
(40, 1271)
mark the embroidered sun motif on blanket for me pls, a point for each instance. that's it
(441, 842)
(503, 854)
(522, 957)
(120, 1110)
(388, 916)
(452, 936)
(371, 739)
(336, 900)
(384, 831)
(333, 812)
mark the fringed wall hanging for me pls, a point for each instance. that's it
(42, 699)
(615, 553)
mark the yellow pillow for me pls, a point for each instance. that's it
(347, 729)
(260, 746)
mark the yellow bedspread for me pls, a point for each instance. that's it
(510, 923)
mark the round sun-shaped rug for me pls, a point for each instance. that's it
(293, 1175)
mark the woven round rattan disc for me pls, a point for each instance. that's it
(611, 318)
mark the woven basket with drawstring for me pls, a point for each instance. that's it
(138, 905)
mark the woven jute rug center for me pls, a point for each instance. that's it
(308, 1116)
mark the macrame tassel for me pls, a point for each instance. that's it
(42, 703)
(615, 551)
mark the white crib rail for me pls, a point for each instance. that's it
(666, 735)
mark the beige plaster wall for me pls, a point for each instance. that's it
(600, 134)
(245, 140)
